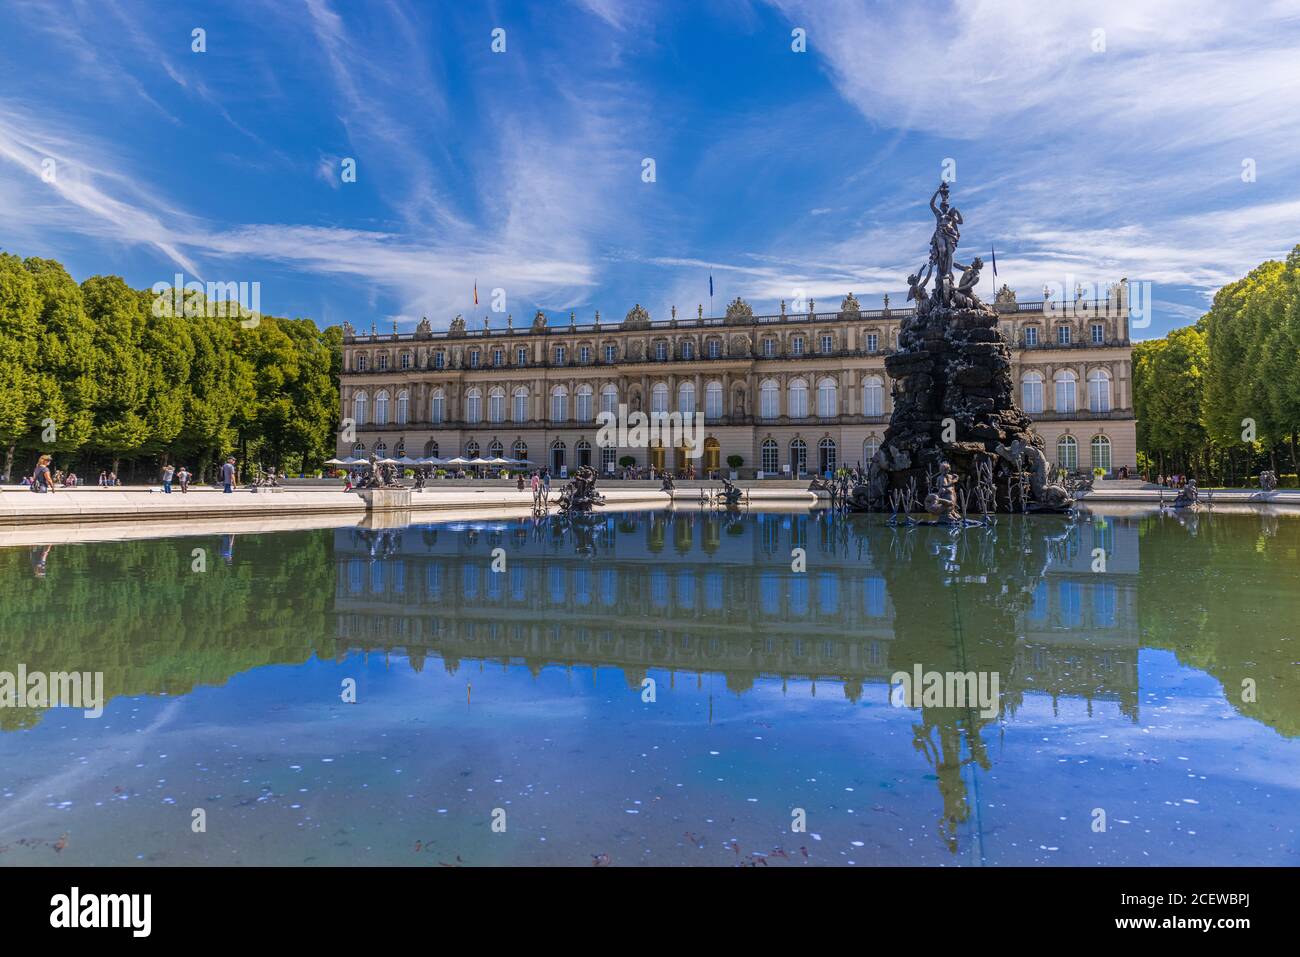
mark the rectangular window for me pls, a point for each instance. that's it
(796, 346)
(439, 360)
(1063, 335)
(608, 456)
(584, 354)
(661, 351)
(361, 363)
(473, 358)
(560, 355)
(521, 357)
(769, 349)
(405, 360)
(611, 353)
(383, 361)
(1098, 333)
(828, 345)
(1031, 335)
(498, 357)
(715, 349)
(873, 342)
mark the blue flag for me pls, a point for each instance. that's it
(710, 284)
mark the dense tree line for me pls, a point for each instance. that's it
(93, 375)
(1220, 400)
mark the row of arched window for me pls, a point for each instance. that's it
(1067, 452)
(580, 405)
(1065, 388)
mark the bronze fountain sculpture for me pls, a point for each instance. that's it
(957, 442)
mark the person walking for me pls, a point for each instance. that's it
(228, 476)
(183, 476)
(168, 475)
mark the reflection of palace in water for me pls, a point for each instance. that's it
(707, 592)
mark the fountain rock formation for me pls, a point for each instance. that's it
(957, 442)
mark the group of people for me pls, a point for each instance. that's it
(171, 473)
(539, 482)
(47, 479)
(1173, 481)
(43, 479)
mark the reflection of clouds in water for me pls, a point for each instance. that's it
(113, 752)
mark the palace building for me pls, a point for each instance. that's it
(788, 394)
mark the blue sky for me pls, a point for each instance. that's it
(784, 174)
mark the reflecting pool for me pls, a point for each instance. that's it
(665, 688)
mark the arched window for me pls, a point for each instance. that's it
(770, 456)
(826, 456)
(1065, 391)
(869, 449)
(497, 404)
(471, 449)
(381, 408)
(1031, 389)
(828, 394)
(1101, 452)
(431, 449)
(520, 411)
(583, 452)
(713, 401)
(583, 403)
(686, 398)
(1098, 391)
(873, 396)
(358, 449)
(769, 398)
(403, 407)
(495, 449)
(381, 449)
(659, 398)
(519, 450)
(557, 456)
(798, 457)
(1067, 452)
(559, 404)
(474, 405)
(798, 401)
(359, 405)
(609, 398)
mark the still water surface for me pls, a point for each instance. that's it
(519, 694)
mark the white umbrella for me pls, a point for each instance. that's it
(387, 462)
(479, 462)
(498, 461)
(432, 460)
(338, 461)
(458, 460)
(404, 460)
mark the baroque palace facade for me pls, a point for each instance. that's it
(789, 393)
